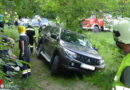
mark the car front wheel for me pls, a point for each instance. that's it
(55, 65)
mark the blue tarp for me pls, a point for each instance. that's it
(1, 18)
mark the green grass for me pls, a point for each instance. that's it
(102, 79)
(112, 56)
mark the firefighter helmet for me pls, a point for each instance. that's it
(122, 31)
(21, 29)
(39, 19)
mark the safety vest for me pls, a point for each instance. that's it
(57, 20)
(118, 85)
(16, 18)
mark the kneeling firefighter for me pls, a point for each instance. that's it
(6, 55)
(31, 34)
(122, 37)
(24, 51)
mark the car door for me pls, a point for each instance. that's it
(46, 40)
(53, 42)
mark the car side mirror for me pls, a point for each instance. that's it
(95, 48)
(54, 36)
(44, 26)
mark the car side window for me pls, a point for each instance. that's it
(55, 30)
(47, 29)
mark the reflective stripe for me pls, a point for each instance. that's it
(31, 46)
(30, 29)
(26, 71)
(115, 78)
(122, 88)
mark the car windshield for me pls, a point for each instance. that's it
(44, 20)
(75, 38)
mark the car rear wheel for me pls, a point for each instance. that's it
(96, 29)
(39, 52)
(55, 65)
(102, 28)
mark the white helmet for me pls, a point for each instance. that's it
(122, 31)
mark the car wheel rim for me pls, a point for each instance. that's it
(95, 29)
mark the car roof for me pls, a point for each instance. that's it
(67, 30)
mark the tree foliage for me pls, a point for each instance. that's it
(24, 8)
(69, 11)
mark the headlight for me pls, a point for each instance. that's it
(101, 61)
(70, 53)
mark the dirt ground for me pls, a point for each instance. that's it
(41, 78)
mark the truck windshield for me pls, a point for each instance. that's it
(76, 39)
(94, 16)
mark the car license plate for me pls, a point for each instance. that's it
(86, 66)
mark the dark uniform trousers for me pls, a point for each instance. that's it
(26, 71)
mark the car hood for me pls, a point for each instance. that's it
(81, 50)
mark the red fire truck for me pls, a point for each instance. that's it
(93, 23)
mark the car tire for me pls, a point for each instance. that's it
(39, 52)
(102, 28)
(31, 49)
(55, 65)
(96, 29)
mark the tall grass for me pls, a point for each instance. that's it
(111, 54)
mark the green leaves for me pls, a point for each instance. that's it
(19, 63)
(67, 10)
(2, 62)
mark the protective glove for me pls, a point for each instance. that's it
(22, 55)
(17, 68)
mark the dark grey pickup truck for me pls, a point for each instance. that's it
(68, 49)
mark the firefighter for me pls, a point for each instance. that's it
(31, 34)
(10, 53)
(39, 24)
(6, 54)
(10, 42)
(57, 21)
(9, 20)
(16, 19)
(6, 18)
(122, 38)
(24, 51)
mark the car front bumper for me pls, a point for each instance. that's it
(75, 65)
